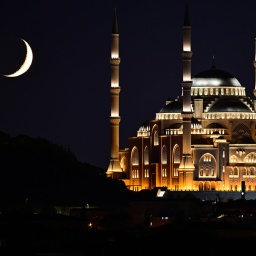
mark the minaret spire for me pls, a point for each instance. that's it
(115, 26)
(254, 64)
(186, 17)
(186, 168)
(213, 63)
(114, 168)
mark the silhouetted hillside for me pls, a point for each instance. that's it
(39, 171)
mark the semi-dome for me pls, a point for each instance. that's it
(229, 104)
(214, 77)
(214, 126)
(173, 107)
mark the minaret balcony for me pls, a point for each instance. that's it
(115, 61)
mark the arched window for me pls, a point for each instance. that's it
(135, 156)
(207, 165)
(123, 164)
(164, 172)
(156, 138)
(176, 154)
(233, 159)
(146, 155)
(164, 155)
(230, 171)
(252, 171)
(250, 158)
(146, 173)
(236, 171)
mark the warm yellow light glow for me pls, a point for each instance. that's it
(186, 78)
(115, 55)
(186, 46)
(114, 113)
(26, 64)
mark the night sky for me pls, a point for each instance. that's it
(64, 97)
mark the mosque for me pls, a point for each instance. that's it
(204, 140)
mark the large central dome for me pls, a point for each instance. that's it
(214, 77)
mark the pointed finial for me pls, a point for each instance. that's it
(186, 18)
(115, 27)
(213, 62)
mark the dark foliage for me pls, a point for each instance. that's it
(38, 171)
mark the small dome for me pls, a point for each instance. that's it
(228, 104)
(214, 125)
(175, 126)
(172, 107)
(214, 77)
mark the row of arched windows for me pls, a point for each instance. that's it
(217, 91)
(135, 155)
(233, 115)
(246, 171)
(249, 158)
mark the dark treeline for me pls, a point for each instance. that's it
(37, 171)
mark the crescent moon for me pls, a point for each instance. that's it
(26, 64)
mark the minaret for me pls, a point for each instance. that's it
(186, 168)
(254, 64)
(254, 91)
(114, 167)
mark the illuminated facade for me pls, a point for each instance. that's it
(203, 140)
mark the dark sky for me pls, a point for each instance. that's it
(64, 97)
